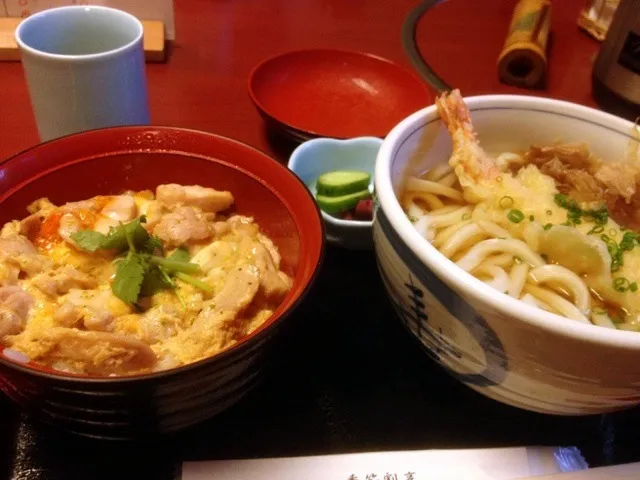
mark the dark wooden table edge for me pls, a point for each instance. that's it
(410, 46)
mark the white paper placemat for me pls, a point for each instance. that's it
(480, 464)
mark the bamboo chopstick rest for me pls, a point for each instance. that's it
(523, 60)
(153, 40)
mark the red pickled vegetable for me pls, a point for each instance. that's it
(364, 210)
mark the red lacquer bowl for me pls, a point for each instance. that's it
(334, 93)
(113, 160)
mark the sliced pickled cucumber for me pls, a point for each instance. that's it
(341, 203)
(342, 182)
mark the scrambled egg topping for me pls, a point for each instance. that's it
(135, 283)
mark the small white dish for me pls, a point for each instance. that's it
(321, 155)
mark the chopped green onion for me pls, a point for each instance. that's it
(548, 226)
(506, 202)
(549, 212)
(629, 241)
(621, 284)
(575, 214)
(596, 229)
(599, 216)
(633, 287)
(613, 232)
(573, 217)
(614, 250)
(466, 216)
(516, 216)
(531, 218)
(616, 319)
(561, 200)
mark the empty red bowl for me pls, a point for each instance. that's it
(113, 160)
(335, 93)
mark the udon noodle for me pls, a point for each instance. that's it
(552, 227)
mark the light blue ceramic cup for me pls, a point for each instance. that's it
(85, 69)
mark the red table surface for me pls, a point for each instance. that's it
(203, 85)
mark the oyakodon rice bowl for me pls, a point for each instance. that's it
(92, 289)
(530, 323)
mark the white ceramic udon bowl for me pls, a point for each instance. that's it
(495, 344)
